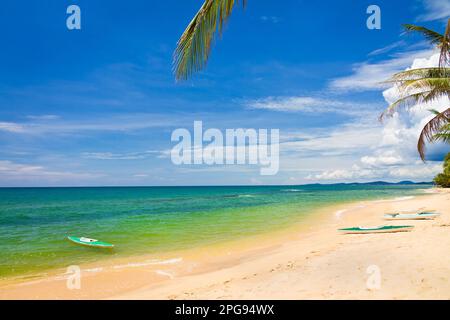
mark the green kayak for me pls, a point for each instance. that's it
(90, 242)
(378, 229)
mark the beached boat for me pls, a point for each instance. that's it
(377, 229)
(90, 242)
(411, 216)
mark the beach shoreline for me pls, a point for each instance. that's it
(308, 261)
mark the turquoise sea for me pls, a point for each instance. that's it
(34, 222)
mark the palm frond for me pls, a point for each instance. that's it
(419, 86)
(441, 85)
(432, 36)
(443, 135)
(442, 41)
(413, 99)
(444, 57)
(434, 111)
(433, 127)
(194, 46)
(420, 73)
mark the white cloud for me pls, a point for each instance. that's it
(272, 19)
(344, 174)
(289, 104)
(372, 76)
(403, 129)
(422, 172)
(386, 158)
(43, 117)
(108, 123)
(307, 104)
(26, 173)
(435, 10)
(387, 48)
(348, 139)
(393, 156)
(416, 172)
(11, 127)
(140, 175)
(119, 156)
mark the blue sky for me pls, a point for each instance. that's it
(97, 106)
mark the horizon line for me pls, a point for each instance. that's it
(406, 182)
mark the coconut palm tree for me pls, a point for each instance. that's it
(194, 45)
(426, 85)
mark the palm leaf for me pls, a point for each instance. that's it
(419, 86)
(440, 40)
(433, 127)
(441, 85)
(413, 99)
(194, 46)
(432, 36)
(444, 57)
(443, 135)
(420, 73)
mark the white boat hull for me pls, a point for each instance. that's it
(411, 216)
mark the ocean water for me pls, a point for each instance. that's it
(34, 222)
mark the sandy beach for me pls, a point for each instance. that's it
(312, 262)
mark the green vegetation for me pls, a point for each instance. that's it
(443, 179)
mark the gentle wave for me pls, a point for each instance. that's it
(338, 214)
(93, 270)
(403, 198)
(149, 263)
(430, 191)
(395, 199)
(165, 273)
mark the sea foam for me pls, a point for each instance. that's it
(149, 263)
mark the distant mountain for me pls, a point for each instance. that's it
(379, 183)
(401, 182)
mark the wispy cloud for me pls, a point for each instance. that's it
(140, 175)
(105, 123)
(385, 159)
(343, 140)
(372, 75)
(422, 173)
(11, 127)
(120, 156)
(435, 10)
(354, 174)
(305, 104)
(272, 19)
(43, 117)
(387, 48)
(11, 172)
